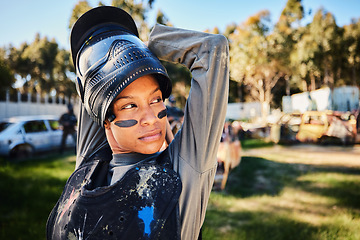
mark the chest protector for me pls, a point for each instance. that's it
(142, 205)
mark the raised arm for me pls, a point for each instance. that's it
(207, 58)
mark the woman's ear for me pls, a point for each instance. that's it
(110, 137)
(107, 124)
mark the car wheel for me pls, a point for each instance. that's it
(21, 152)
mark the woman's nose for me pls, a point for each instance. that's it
(148, 116)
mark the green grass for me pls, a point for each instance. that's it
(29, 190)
(255, 143)
(266, 197)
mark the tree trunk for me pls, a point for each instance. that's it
(326, 77)
(264, 111)
(287, 81)
(354, 75)
(312, 84)
(304, 85)
(239, 92)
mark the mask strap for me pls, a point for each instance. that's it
(80, 89)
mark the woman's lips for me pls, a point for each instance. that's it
(152, 136)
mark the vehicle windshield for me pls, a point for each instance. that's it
(4, 125)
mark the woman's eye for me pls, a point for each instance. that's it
(129, 106)
(157, 100)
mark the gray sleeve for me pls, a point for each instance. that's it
(194, 149)
(90, 137)
(206, 56)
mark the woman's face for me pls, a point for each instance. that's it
(140, 123)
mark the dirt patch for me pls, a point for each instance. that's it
(310, 154)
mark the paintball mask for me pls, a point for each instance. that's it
(108, 55)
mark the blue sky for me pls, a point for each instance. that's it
(20, 20)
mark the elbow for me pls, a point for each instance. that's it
(222, 40)
(221, 43)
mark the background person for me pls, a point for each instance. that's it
(68, 122)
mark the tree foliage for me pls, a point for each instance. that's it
(79, 9)
(351, 44)
(252, 59)
(265, 58)
(318, 52)
(299, 57)
(6, 77)
(42, 66)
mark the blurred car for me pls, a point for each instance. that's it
(327, 127)
(285, 129)
(21, 137)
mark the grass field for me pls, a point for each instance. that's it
(293, 194)
(269, 196)
(29, 190)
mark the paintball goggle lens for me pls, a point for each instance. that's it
(95, 51)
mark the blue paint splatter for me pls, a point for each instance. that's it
(147, 215)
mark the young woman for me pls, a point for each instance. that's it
(139, 192)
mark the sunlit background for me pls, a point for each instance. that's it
(289, 162)
(20, 20)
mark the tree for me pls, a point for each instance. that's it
(79, 9)
(292, 13)
(137, 9)
(162, 19)
(230, 29)
(17, 63)
(42, 66)
(6, 77)
(319, 51)
(326, 34)
(303, 59)
(285, 36)
(62, 69)
(352, 50)
(41, 56)
(252, 61)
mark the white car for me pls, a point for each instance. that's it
(22, 136)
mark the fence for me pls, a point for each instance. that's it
(41, 106)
